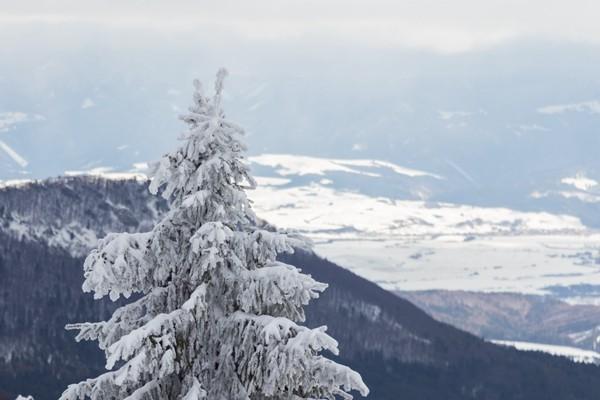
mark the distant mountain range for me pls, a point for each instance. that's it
(400, 351)
(407, 241)
(506, 126)
(511, 316)
(411, 243)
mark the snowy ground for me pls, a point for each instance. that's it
(575, 354)
(419, 245)
(501, 263)
(410, 245)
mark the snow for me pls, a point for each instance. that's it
(16, 183)
(582, 189)
(384, 164)
(573, 353)
(568, 194)
(405, 244)
(584, 197)
(270, 181)
(288, 164)
(108, 173)
(302, 165)
(140, 167)
(241, 315)
(16, 157)
(196, 392)
(578, 337)
(416, 245)
(325, 213)
(580, 182)
(73, 237)
(496, 263)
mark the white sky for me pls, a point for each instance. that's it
(446, 26)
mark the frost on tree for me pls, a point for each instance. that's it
(216, 316)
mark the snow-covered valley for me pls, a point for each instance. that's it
(535, 264)
(573, 353)
(406, 243)
(420, 248)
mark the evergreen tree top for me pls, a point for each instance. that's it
(217, 315)
(212, 156)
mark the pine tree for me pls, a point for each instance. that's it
(216, 315)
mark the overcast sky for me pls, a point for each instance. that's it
(101, 82)
(445, 26)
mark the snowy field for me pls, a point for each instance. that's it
(420, 245)
(573, 353)
(411, 245)
(490, 263)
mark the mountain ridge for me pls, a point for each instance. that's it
(399, 349)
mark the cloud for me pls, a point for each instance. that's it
(455, 26)
(591, 107)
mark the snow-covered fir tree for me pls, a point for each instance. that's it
(216, 315)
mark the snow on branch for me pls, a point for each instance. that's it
(217, 315)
